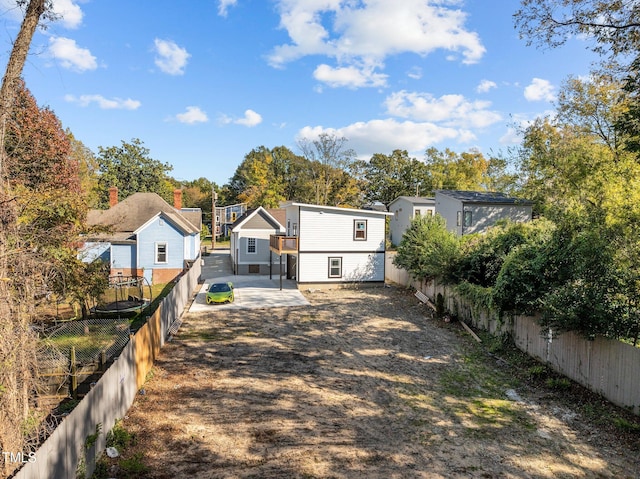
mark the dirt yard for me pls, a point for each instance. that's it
(363, 384)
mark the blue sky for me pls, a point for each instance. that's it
(203, 82)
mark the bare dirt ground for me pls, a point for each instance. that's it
(362, 384)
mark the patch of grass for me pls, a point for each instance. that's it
(458, 383)
(205, 336)
(558, 383)
(84, 343)
(119, 437)
(134, 466)
(537, 371)
(101, 470)
(626, 425)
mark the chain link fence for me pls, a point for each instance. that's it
(73, 351)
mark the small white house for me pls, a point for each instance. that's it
(404, 209)
(249, 247)
(328, 245)
(468, 212)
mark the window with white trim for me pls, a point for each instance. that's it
(335, 267)
(161, 253)
(459, 218)
(251, 246)
(360, 230)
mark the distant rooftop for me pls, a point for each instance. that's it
(484, 197)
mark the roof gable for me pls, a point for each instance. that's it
(135, 211)
(416, 200)
(258, 218)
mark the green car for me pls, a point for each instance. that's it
(220, 293)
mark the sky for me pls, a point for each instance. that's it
(203, 82)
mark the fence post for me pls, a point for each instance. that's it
(74, 374)
(103, 361)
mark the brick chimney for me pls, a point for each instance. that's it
(113, 196)
(177, 199)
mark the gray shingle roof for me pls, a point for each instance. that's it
(131, 213)
(484, 197)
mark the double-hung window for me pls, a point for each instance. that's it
(161, 253)
(335, 267)
(360, 230)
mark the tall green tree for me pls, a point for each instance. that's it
(449, 170)
(256, 181)
(389, 176)
(266, 177)
(130, 168)
(330, 158)
(578, 160)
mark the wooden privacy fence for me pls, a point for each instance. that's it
(64, 453)
(608, 367)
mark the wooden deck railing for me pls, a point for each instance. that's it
(283, 244)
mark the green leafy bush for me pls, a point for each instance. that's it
(428, 249)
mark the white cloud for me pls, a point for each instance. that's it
(224, 5)
(485, 86)
(104, 103)
(380, 136)
(250, 119)
(365, 33)
(70, 55)
(69, 12)
(451, 110)
(415, 73)
(193, 115)
(170, 58)
(540, 90)
(351, 77)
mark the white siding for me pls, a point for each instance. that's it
(331, 230)
(356, 267)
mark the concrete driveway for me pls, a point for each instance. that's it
(251, 291)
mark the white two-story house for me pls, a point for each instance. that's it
(328, 245)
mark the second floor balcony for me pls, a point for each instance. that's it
(280, 244)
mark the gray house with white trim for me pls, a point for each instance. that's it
(249, 237)
(404, 209)
(467, 212)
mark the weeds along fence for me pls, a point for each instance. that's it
(74, 446)
(608, 367)
(76, 350)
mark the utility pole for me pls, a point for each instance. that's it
(214, 219)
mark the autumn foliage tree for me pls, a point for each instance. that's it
(42, 177)
(17, 342)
